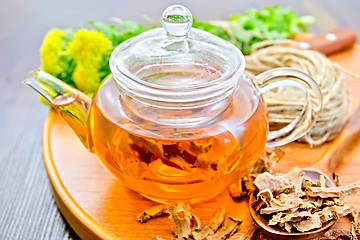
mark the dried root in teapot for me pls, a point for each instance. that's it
(295, 203)
(285, 104)
(188, 226)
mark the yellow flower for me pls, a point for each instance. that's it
(88, 49)
(51, 46)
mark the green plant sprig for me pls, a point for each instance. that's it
(80, 57)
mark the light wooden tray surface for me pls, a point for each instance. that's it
(97, 206)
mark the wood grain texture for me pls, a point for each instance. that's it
(27, 207)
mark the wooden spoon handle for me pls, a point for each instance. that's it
(328, 160)
(337, 40)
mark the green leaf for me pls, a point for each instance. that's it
(243, 30)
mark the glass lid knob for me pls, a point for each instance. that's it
(177, 20)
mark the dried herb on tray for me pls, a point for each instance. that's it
(152, 212)
(274, 202)
(294, 203)
(188, 226)
(289, 201)
(228, 228)
(210, 229)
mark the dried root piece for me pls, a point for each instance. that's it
(336, 178)
(188, 226)
(308, 224)
(341, 191)
(195, 224)
(276, 184)
(152, 212)
(268, 159)
(292, 202)
(243, 187)
(333, 234)
(336, 234)
(355, 224)
(335, 212)
(184, 156)
(228, 228)
(212, 227)
(250, 234)
(157, 238)
(281, 183)
(283, 218)
(181, 216)
(266, 163)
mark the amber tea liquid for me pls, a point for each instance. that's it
(171, 164)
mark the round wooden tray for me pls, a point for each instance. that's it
(97, 206)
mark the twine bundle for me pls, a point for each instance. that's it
(285, 104)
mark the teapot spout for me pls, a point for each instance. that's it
(70, 103)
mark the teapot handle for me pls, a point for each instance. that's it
(284, 76)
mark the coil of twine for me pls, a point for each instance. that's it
(285, 104)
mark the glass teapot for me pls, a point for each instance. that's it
(178, 120)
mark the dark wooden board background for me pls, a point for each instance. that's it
(27, 207)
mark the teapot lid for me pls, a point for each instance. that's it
(195, 55)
